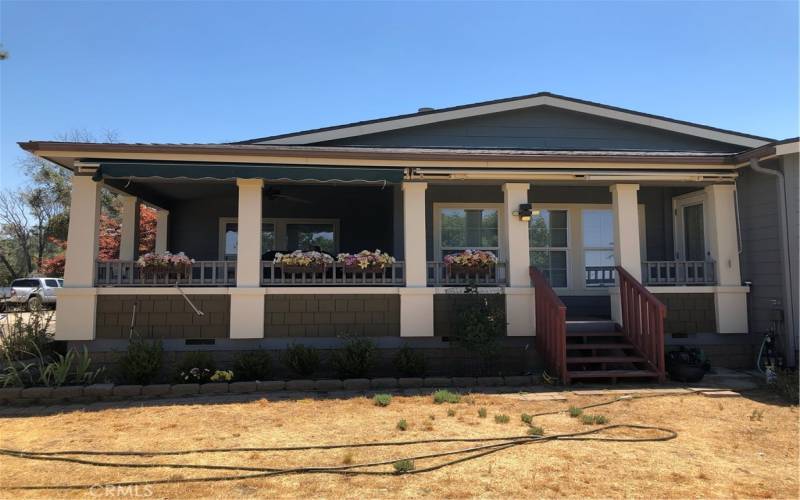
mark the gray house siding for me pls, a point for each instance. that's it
(537, 128)
(761, 251)
(791, 171)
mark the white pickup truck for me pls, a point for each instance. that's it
(32, 293)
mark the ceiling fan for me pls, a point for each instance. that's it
(273, 193)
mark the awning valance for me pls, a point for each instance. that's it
(229, 171)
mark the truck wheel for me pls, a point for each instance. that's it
(34, 304)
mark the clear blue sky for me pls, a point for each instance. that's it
(212, 72)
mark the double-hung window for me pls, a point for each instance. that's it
(468, 228)
(548, 232)
(598, 247)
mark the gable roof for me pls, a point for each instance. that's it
(513, 103)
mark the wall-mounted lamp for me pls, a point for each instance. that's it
(525, 212)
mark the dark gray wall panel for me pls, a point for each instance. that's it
(760, 259)
(538, 128)
(364, 213)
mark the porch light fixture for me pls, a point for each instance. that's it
(525, 212)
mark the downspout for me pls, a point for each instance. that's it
(788, 291)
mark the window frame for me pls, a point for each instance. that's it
(279, 225)
(566, 250)
(437, 227)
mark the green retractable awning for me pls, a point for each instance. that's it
(228, 171)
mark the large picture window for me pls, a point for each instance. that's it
(283, 235)
(548, 232)
(468, 228)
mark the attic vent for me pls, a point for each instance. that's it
(424, 110)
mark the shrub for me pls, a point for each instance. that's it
(482, 412)
(382, 399)
(302, 360)
(24, 339)
(195, 367)
(481, 322)
(222, 376)
(141, 363)
(402, 466)
(575, 412)
(786, 385)
(70, 368)
(402, 424)
(535, 430)
(356, 357)
(594, 419)
(528, 419)
(502, 419)
(409, 362)
(445, 396)
(451, 412)
(252, 365)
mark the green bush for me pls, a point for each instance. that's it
(26, 338)
(71, 368)
(480, 324)
(528, 419)
(482, 412)
(445, 396)
(355, 358)
(252, 365)
(382, 399)
(575, 412)
(594, 419)
(195, 367)
(301, 359)
(402, 424)
(786, 385)
(141, 363)
(410, 362)
(402, 466)
(502, 419)
(536, 431)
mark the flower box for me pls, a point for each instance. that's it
(471, 262)
(470, 270)
(365, 262)
(165, 266)
(296, 269)
(299, 262)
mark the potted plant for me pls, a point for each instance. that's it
(687, 365)
(474, 262)
(303, 262)
(365, 261)
(164, 265)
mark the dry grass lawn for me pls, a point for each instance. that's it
(726, 448)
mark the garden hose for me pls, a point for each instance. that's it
(495, 444)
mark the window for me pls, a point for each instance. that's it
(598, 246)
(548, 233)
(468, 228)
(51, 283)
(283, 235)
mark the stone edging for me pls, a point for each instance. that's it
(111, 392)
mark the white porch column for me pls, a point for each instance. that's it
(731, 308)
(247, 299)
(627, 254)
(162, 226)
(416, 300)
(519, 301)
(129, 227)
(78, 297)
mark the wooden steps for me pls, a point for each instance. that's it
(598, 350)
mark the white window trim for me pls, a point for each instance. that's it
(678, 204)
(570, 238)
(281, 238)
(576, 282)
(437, 226)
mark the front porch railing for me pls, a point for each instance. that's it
(125, 273)
(678, 272)
(643, 321)
(440, 274)
(600, 276)
(551, 326)
(335, 274)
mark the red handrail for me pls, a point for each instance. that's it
(551, 325)
(643, 320)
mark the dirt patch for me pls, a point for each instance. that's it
(734, 447)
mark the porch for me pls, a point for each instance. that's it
(576, 235)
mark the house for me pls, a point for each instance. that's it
(679, 233)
